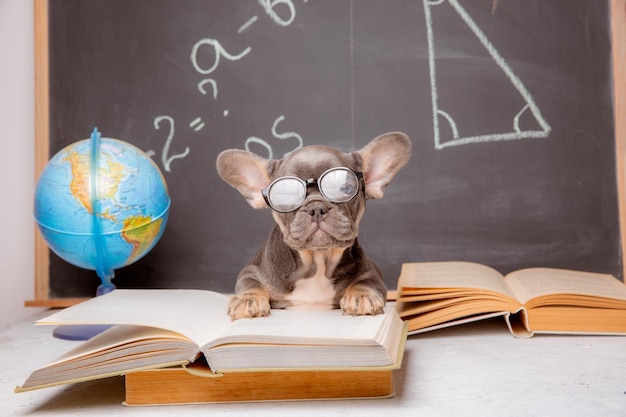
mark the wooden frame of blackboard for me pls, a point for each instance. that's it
(618, 22)
(42, 149)
(42, 119)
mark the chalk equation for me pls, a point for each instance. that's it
(209, 85)
(283, 13)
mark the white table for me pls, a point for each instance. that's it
(471, 370)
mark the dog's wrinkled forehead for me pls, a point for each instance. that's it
(312, 161)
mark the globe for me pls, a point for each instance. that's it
(101, 204)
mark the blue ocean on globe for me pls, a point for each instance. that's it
(101, 215)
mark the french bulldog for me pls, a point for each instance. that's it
(312, 258)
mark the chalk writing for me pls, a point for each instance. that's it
(457, 138)
(218, 51)
(208, 81)
(269, 5)
(205, 56)
(196, 124)
(166, 159)
(281, 136)
(246, 25)
(208, 53)
(286, 135)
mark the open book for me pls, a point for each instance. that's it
(164, 328)
(433, 295)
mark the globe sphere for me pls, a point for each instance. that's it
(101, 207)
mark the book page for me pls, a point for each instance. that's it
(308, 339)
(307, 327)
(201, 316)
(119, 336)
(115, 351)
(193, 313)
(536, 282)
(452, 275)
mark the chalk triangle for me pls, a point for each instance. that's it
(460, 116)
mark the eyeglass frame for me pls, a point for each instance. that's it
(266, 191)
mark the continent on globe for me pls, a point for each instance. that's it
(141, 232)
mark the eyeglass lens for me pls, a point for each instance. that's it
(337, 185)
(287, 194)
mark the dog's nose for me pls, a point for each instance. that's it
(317, 210)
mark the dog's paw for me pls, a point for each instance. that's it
(248, 305)
(360, 301)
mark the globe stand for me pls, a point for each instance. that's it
(116, 192)
(79, 332)
(87, 331)
(105, 288)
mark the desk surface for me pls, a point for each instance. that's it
(471, 370)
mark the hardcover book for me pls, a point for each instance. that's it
(433, 295)
(155, 329)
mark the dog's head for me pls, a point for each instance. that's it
(317, 193)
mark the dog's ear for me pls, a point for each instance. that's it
(381, 159)
(247, 172)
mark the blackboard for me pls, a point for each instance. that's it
(508, 104)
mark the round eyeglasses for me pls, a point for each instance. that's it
(337, 185)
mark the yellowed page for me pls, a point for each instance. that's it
(196, 314)
(124, 335)
(201, 316)
(117, 350)
(535, 282)
(300, 327)
(452, 275)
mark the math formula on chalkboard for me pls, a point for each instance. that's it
(208, 53)
(205, 66)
